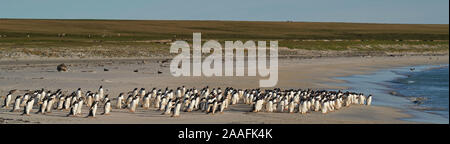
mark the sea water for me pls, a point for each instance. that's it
(402, 87)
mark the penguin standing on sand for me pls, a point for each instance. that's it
(133, 104)
(101, 92)
(129, 100)
(61, 102)
(93, 110)
(191, 105)
(74, 109)
(43, 106)
(222, 105)
(96, 97)
(80, 106)
(163, 104)
(157, 101)
(176, 111)
(106, 98)
(214, 107)
(50, 102)
(168, 108)
(7, 100)
(107, 108)
(120, 101)
(67, 103)
(258, 105)
(304, 107)
(17, 104)
(291, 107)
(78, 93)
(89, 99)
(325, 107)
(362, 99)
(369, 100)
(28, 106)
(24, 100)
(146, 102)
(43, 94)
(269, 106)
(316, 105)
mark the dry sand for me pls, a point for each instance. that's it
(293, 73)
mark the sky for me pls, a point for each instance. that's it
(361, 11)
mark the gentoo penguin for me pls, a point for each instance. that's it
(183, 90)
(67, 102)
(317, 105)
(235, 98)
(223, 105)
(146, 102)
(258, 105)
(28, 106)
(269, 106)
(362, 99)
(135, 92)
(129, 100)
(89, 100)
(50, 102)
(105, 98)
(369, 100)
(163, 104)
(214, 107)
(43, 105)
(281, 106)
(93, 110)
(80, 106)
(209, 105)
(191, 105)
(7, 100)
(168, 108)
(133, 104)
(120, 99)
(78, 93)
(17, 104)
(101, 92)
(74, 109)
(325, 107)
(107, 108)
(158, 101)
(96, 97)
(43, 95)
(185, 103)
(24, 99)
(197, 102)
(61, 102)
(176, 110)
(291, 107)
(304, 107)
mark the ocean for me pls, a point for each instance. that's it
(422, 91)
(428, 89)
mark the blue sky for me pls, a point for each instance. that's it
(370, 11)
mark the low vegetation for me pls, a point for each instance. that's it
(135, 38)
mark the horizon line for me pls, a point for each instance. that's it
(293, 21)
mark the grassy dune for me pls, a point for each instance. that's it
(124, 38)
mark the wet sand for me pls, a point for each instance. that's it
(89, 74)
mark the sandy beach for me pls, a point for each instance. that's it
(89, 74)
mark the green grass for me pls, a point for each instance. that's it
(135, 34)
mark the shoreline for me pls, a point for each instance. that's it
(314, 73)
(382, 82)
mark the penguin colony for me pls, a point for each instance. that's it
(171, 102)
